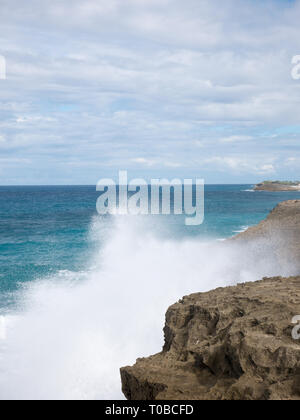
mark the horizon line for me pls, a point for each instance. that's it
(94, 185)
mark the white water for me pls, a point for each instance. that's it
(78, 329)
(242, 229)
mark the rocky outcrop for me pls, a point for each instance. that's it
(232, 343)
(277, 186)
(278, 236)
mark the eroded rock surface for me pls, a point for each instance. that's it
(231, 343)
(277, 237)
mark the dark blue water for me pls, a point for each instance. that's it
(46, 229)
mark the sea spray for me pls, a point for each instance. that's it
(2, 328)
(78, 329)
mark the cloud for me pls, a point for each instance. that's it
(235, 139)
(168, 82)
(292, 162)
(156, 162)
(143, 161)
(240, 165)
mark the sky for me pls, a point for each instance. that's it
(161, 88)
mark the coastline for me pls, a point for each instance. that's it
(277, 186)
(233, 342)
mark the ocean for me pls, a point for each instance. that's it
(82, 295)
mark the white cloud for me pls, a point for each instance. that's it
(31, 119)
(292, 162)
(241, 165)
(113, 80)
(266, 169)
(143, 161)
(235, 139)
(156, 162)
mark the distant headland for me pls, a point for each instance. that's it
(278, 186)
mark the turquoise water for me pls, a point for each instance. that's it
(44, 230)
(82, 295)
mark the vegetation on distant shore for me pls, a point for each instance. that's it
(290, 183)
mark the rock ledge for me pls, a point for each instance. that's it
(232, 343)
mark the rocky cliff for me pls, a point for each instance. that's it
(236, 342)
(278, 236)
(232, 343)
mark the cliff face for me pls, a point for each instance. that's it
(278, 236)
(235, 342)
(231, 343)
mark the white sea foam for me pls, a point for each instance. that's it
(78, 329)
(242, 229)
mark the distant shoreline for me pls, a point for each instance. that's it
(278, 186)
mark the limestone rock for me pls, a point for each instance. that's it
(278, 237)
(232, 343)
